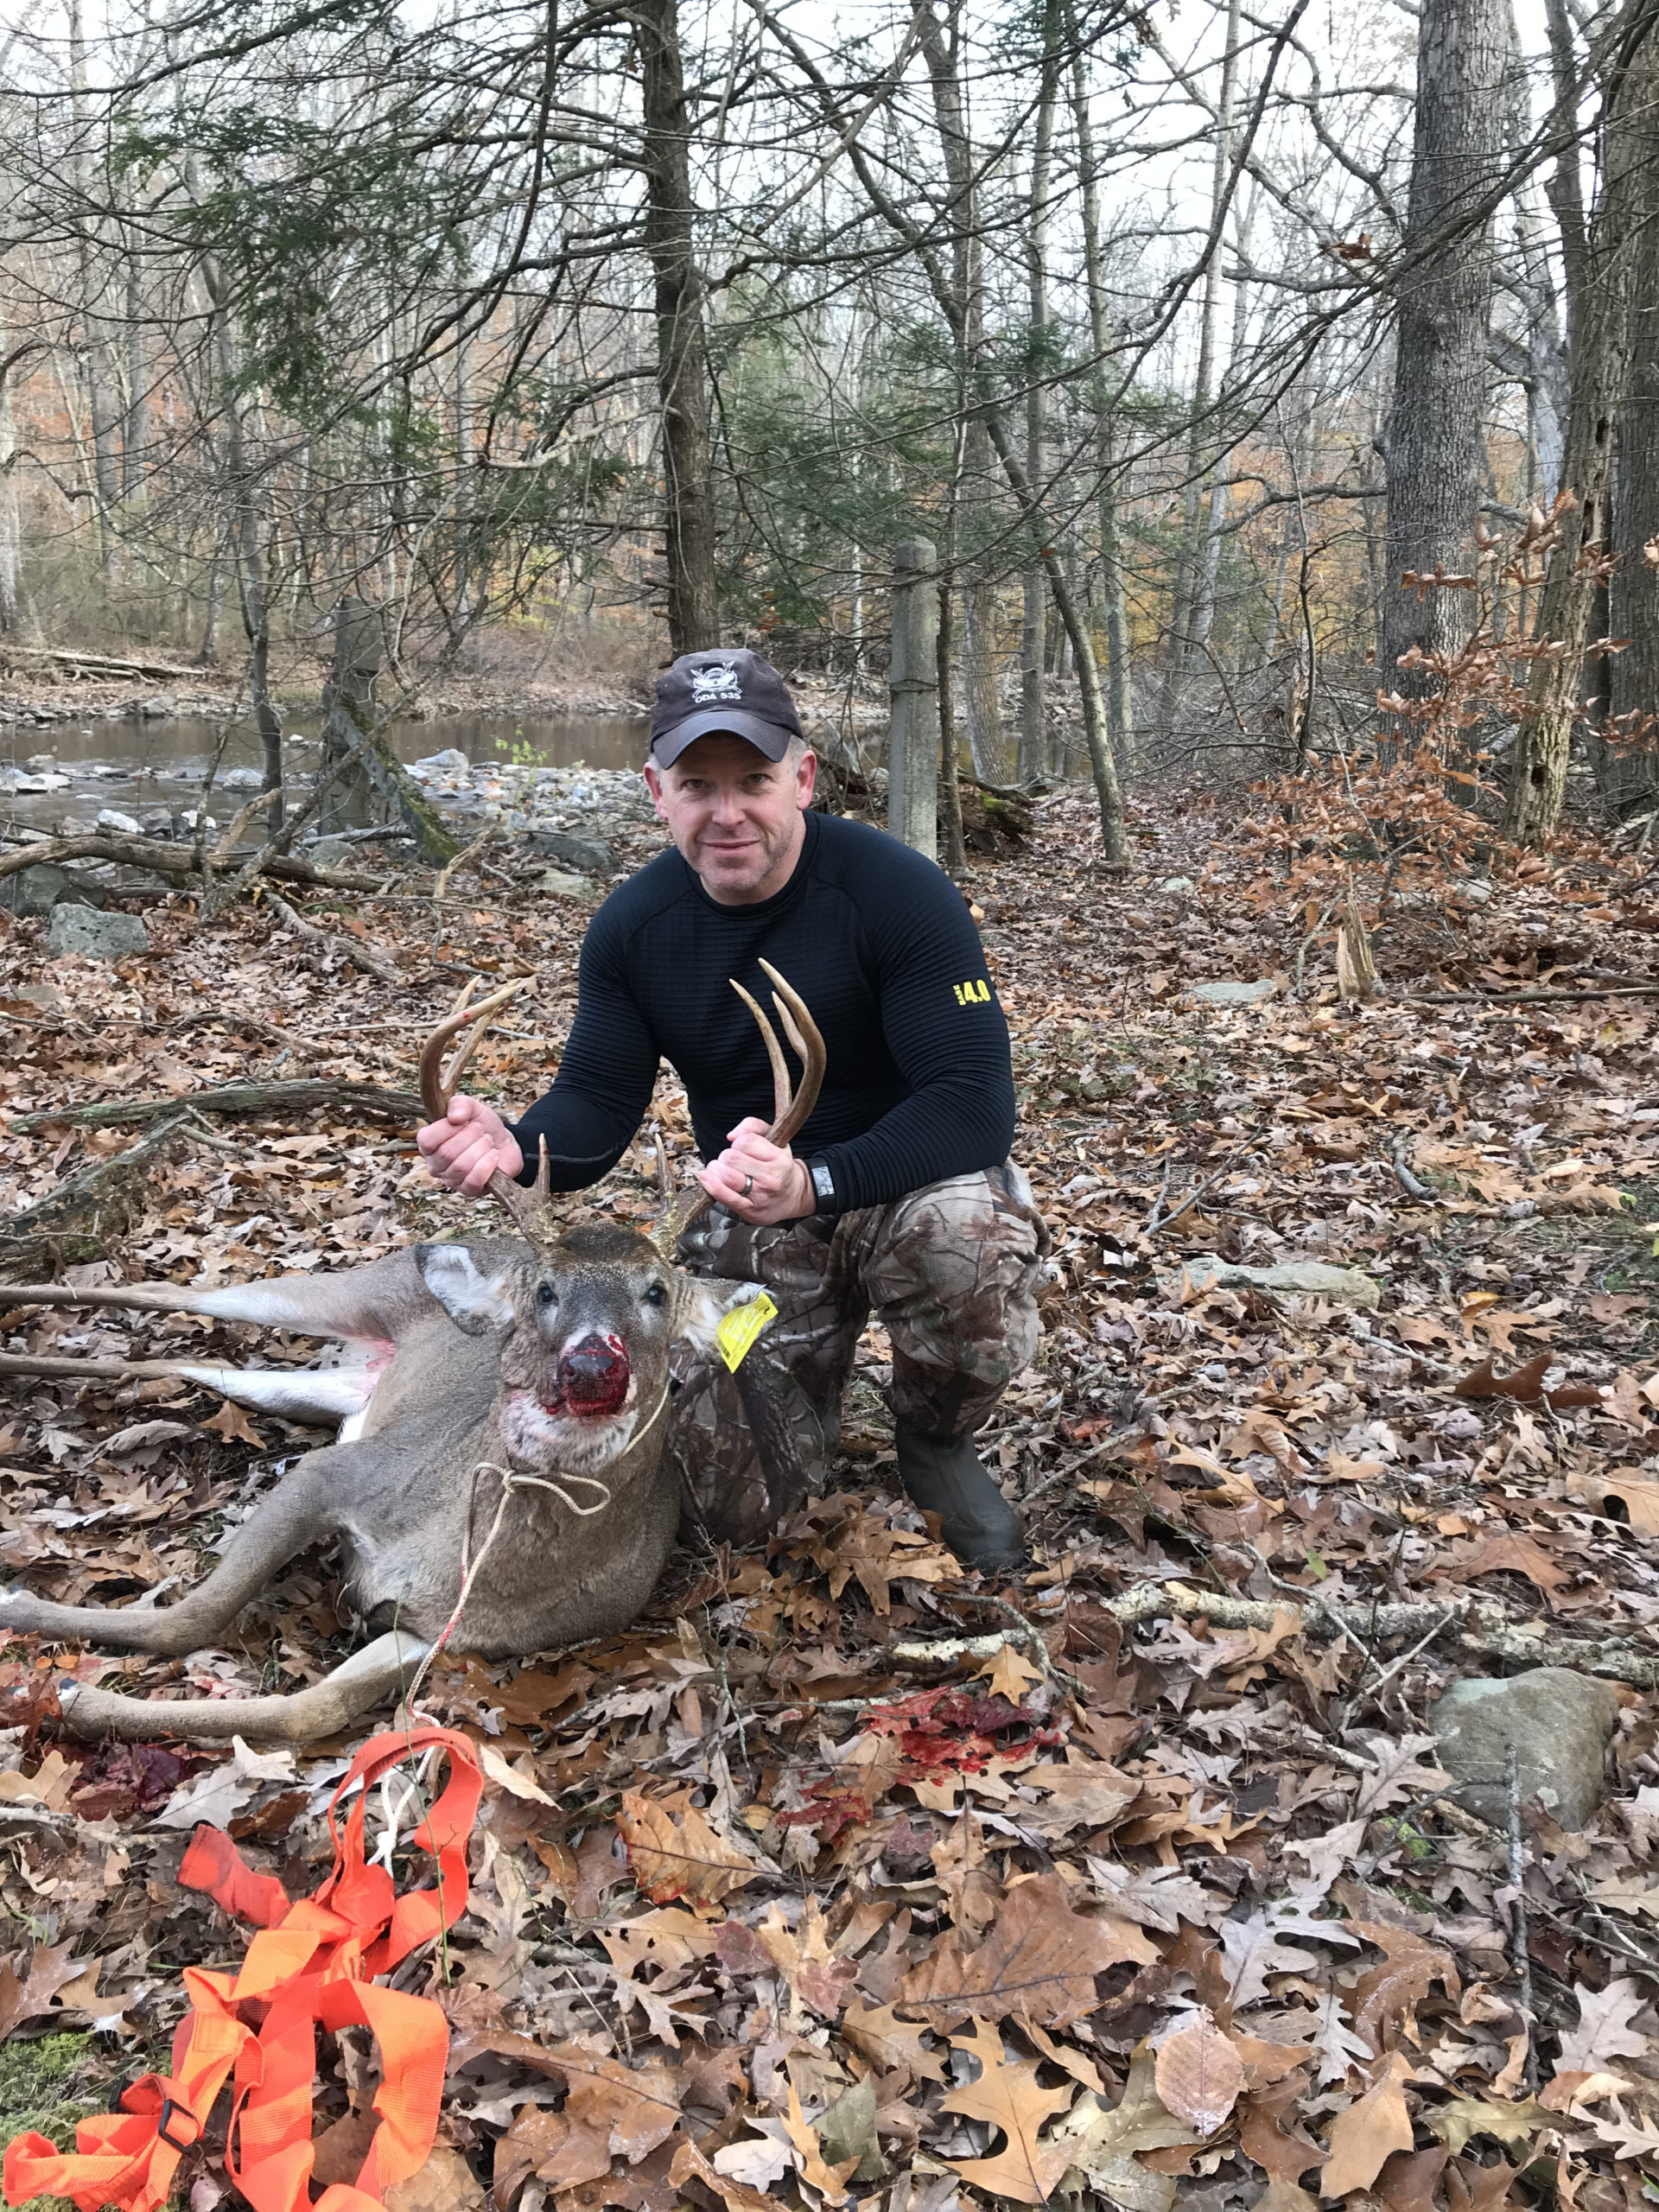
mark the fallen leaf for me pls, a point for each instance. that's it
(683, 1858)
(1390, 1993)
(48, 1970)
(827, 2180)
(1459, 2121)
(1513, 1555)
(1526, 1385)
(445, 2184)
(517, 1780)
(1006, 2096)
(1011, 1675)
(50, 1787)
(878, 2031)
(1039, 1959)
(1199, 2075)
(1368, 2133)
(1103, 2143)
(1604, 2030)
(214, 1795)
(233, 1425)
(1639, 1496)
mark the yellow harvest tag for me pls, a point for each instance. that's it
(739, 1328)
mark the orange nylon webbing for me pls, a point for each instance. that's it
(313, 1961)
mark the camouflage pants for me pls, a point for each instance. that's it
(949, 1270)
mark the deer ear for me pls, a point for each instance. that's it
(704, 1302)
(475, 1302)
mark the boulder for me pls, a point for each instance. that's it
(126, 825)
(1232, 994)
(39, 889)
(450, 762)
(158, 707)
(587, 856)
(92, 936)
(243, 779)
(330, 852)
(1559, 1722)
(564, 885)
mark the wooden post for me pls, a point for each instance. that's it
(913, 682)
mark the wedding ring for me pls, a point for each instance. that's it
(748, 1186)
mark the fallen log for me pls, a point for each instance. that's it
(1481, 1627)
(368, 957)
(179, 860)
(297, 1094)
(97, 1197)
(102, 663)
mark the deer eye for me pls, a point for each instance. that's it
(657, 1294)
(545, 1295)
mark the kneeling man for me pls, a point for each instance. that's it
(897, 1197)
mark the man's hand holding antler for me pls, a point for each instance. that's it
(759, 1181)
(466, 1148)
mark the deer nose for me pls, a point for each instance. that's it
(593, 1374)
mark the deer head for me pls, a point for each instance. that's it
(588, 1314)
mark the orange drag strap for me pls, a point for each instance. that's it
(312, 1962)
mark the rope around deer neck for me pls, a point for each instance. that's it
(512, 1479)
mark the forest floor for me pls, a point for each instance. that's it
(1159, 1894)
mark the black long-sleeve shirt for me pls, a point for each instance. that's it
(877, 940)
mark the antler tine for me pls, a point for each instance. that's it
(437, 1082)
(804, 1036)
(793, 1107)
(781, 1086)
(531, 1208)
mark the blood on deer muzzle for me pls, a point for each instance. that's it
(594, 1376)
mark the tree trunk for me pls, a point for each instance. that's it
(1630, 780)
(1179, 654)
(1033, 638)
(246, 549)
(135, 434)
(10, 527)
(688, 536)
(1433, 441)
(1600, 343)
(106, 464)
(965, 312)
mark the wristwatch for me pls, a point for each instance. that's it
(823, 1184)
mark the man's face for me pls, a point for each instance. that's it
(735, 815)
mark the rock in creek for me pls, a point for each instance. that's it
(1231, 994)
(39, 889)
(587, 856)
(1558, 1720)
(92, 936)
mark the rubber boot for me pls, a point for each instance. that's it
(947, 1476)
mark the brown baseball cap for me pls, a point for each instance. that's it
(730, 692)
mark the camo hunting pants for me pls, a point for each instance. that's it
(951, 1272)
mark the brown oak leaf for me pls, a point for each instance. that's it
(1038, 1959)
(1008, 2096)
(679, 1858)
(1366, 2136)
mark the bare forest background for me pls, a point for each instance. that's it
(1278, 387)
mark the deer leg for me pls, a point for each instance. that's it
(374, 1303)
(297, 1514)
(299, 1393)
(376, 1672)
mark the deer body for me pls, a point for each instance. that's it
(500, 1483)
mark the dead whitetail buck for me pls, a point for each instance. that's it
(501, 1483)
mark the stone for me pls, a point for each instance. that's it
(1176, 883)
(587, 856)
(40, 888)
(1559, 1721)
(330, 852)
(1296, 1278)
(451, 761)
(1231, 993)
(41, 996)
(565, 884)
(109, 817)
(92, 936)
(243, 779)
(158, 706)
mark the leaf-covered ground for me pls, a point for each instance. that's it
(1152, 1889)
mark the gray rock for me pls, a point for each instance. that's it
(564, 883)
(1176, 883)
(1230, 994)
(93, 936)
(330, 852)
(451, 761)
(1559, 1721)
(40, 889)
(243, 779)
(111, 817)
(587, 856)
(158, 706)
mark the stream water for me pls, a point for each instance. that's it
(131, 763)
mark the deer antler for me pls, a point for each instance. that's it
(792, 1107)
(532, 1210)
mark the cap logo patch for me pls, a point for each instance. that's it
(716, 687)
